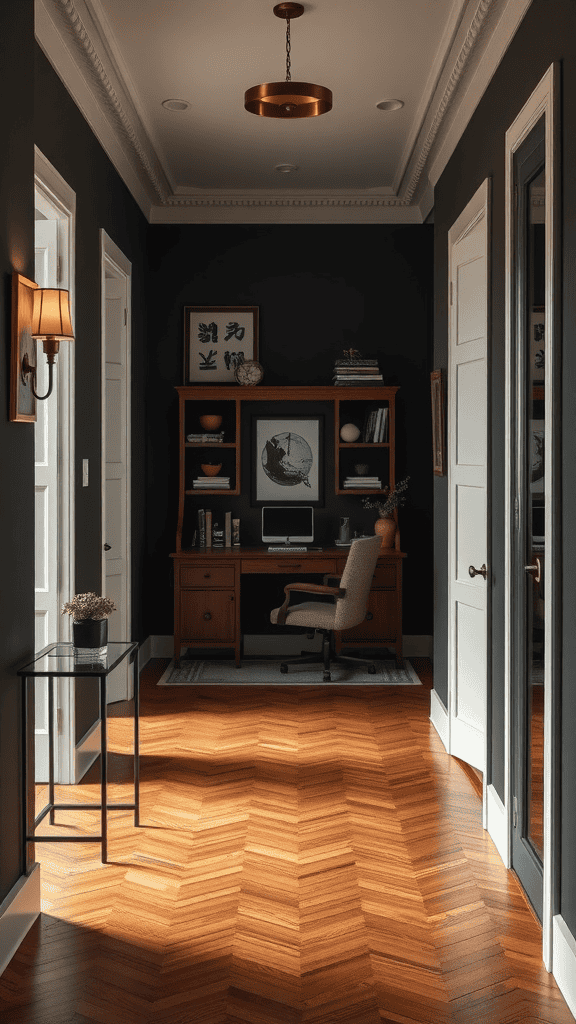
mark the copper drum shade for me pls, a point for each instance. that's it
(288, 99)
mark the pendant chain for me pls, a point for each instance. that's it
(288, 47)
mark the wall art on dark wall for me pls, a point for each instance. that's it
(287, 459)
(217, 339)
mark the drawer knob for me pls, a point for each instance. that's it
(369, 616)
(207, 616)
(206, 575)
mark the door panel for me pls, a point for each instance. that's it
(467, 432)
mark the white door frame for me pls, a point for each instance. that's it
(476, 214)
(114, 263)
(59, 201)
(543, 102)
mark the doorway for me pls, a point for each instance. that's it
(54, 204)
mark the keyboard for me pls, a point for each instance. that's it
(285, 550)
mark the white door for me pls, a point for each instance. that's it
(46, 534)
(116, 475)
(467, 433)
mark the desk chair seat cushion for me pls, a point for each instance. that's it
(321, 613)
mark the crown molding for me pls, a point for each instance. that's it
(72, 34)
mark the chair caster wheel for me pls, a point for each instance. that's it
(327, 678)
(284, 669)
(372, 670)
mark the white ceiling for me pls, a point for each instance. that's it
(216, 162)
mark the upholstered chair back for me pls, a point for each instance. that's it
(357, 581)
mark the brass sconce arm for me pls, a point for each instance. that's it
(51, 346)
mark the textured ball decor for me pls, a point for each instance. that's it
(350, 432)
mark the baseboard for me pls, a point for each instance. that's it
(86, 751)
(281, 644)
(564, 961)
(439, 718)
(497, 824)
(17, 914)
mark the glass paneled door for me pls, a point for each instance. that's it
(530, 490)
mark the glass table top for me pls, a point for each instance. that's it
(60, 660)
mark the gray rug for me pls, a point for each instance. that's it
(260, 672)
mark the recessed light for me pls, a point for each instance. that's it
(390, 104)
(285, 168)
(175, 104)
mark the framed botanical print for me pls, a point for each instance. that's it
(216, 340)
(287, 459)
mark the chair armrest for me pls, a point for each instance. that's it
(329, 576)
(306, 588)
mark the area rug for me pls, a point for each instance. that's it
(261, 672)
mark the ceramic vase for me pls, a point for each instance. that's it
(386, 528)
(90, 638)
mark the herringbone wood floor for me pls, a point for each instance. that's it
(309, 856)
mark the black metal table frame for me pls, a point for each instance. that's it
(91, 671)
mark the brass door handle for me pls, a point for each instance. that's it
(482, 571)
(536, 569)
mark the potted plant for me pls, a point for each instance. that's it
(385, 525)
(89, 620)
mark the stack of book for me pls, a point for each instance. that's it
(210, 534)
(376, 425)
(357, 372)
(215, 437)
(366, 483)
(211, 483)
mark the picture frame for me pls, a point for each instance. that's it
(537, 344)
(287, 460)
(438, 423)
(216, 339)
(22, 401)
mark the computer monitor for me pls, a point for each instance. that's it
(288, 524)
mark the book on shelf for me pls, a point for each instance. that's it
(361, 484)
(227, 529)
(355, 362)
(205, 438)
(376, 425)
(208, 528)
(201, 528)
(366, 479)
(364, 383)
(236, 533)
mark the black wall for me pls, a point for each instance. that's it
(547, 34)
(16, 439)
(319, 289)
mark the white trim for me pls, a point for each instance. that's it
(543, 101)
(87, 751)
(497, 824)
(18, 911)
(440, 719)
(61, 198)
(564, 961)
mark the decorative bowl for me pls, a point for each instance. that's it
(211, 468)
(210, 421)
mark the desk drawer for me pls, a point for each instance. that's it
(207, 576)
(289, 564)
(385, 577)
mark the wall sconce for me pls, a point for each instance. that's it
(51, 324)
(36, 313)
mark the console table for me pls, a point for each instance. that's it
(208, 585)
(50, 663)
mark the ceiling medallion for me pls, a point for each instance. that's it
(288, 99)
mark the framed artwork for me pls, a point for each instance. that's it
(537, 457)
(287, 460)
(22, 401)
(216, 340)
(438, 428)
(537, 327)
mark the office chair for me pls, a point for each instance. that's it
(346, 609)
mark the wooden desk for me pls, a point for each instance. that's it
(207, 595)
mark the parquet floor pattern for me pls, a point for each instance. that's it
(308, 856)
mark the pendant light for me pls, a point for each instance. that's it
(288, 99)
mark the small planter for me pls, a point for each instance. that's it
(90, 638)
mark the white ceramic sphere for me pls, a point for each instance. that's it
(350, 432)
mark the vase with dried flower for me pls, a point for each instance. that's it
(89, 624)
(385, 525)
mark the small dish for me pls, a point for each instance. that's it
(211, 468)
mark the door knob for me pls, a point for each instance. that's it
(482, 571)
(536, 569)
(107, 547)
